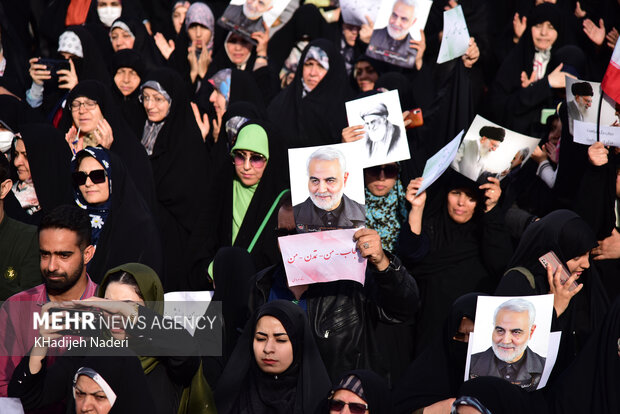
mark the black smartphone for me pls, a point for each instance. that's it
(54, 65)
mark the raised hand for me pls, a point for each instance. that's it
(67, 78)
(103, 133)
(472, 54)
(368, 242)
(557, 78)
(420, 46)
(165, 47)
(366, 30)
(525, 81)
(561, 292)
(597, 154)
(612, 38)
(595, 33)
(38, 72)
(353, 133)
(519, 25)
(203, 122)
(492, 192)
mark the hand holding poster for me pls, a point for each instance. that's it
(489, 150)
(327, 187)
(455, 39)
(399, 22)
(357, 12)
(512, 340)
(439, 163)
(248, 16)
(584, 102)
(321, 257)
(381, 116)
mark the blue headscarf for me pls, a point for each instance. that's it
(98, 213)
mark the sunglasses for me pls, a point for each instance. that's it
(354, 408)
(256, 160)
(389, 171)
(96, 176)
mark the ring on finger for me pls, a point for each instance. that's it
(366, 245)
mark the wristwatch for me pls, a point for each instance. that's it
(393, 266)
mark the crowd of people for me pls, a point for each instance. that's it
(145, 151)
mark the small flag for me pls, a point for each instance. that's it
(611, 80)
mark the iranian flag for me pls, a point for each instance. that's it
(611, 80)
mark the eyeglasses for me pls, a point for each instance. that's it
(256, 160)
(389, 171)
(96, 176)
(89, 105)
(354, 408)
(155, 99)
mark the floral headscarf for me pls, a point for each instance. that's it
(386, 214)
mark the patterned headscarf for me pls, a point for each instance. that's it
(221, 82)
(98, 213)
(386, 214)
(200, 13)
(70, 42)
(121, 25)
(319, 55)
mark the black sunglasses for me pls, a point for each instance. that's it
(96, 176)
(390, 171)
(354, 408)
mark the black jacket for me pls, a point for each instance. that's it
(343, 314)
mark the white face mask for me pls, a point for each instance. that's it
(108, 14)
(6, 139)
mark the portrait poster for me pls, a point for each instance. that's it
(327, 187)
(385, 139)
(583, 101)
(504, 343)
(320, 257)
(437, 164)
(455, 38)
(245, 17)
(398, 22)
(490, 150)
(355, 11)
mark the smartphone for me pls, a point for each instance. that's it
(54, 65)
(415, 115)
(552, 260)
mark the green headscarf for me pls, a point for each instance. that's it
(151, 290)
(197, 398)
(148, 281)
(252, 137)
